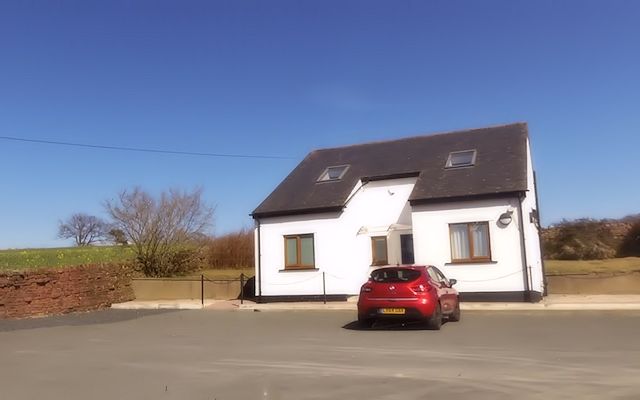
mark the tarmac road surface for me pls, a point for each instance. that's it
(222, 355)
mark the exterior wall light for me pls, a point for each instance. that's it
(506, 218)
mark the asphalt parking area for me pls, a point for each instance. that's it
(118, 354)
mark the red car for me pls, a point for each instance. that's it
(411, 292)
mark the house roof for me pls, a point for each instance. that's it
(500, 167)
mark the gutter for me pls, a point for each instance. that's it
(523, 244)
(281, 213)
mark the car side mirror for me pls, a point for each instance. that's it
(452, 282)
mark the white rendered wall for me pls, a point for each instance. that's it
(532, 238)
(342, 241)
(432, 244)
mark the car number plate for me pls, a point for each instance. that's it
(392, 311)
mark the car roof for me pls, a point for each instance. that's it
(411, 266)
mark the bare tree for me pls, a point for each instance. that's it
(83, 228)
(164, 231)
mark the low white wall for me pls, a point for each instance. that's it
(432, 244)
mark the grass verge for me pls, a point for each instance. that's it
(23, 259)
(612, 265)
(27, 259)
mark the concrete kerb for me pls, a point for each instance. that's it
(550, 303)
(186, 304)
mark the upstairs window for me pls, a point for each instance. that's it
(466, 158)
(333, 173)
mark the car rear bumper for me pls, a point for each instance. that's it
(418, 308)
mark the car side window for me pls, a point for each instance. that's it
(441, 276)
(433, 275)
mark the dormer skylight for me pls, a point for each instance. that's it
(457, 159)
(334, 173)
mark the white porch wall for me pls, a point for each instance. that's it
(340, 252)
(432, 244)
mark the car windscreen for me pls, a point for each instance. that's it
(395, 275)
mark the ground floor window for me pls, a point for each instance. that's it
(379, 250)
(470, 242)
(299, 251)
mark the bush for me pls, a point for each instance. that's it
(165, 230)
(233, 250)
(172, 262)
(630, 246)
(583, 239)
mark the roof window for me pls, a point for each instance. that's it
(333, 173)
(466, 158)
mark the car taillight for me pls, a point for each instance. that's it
(420, 288)
(366, 289)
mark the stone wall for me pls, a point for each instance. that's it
(623, 283)
(58, 291)
(185, 288)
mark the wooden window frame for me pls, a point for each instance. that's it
(298, 264)
(472, 258)
(375, 261)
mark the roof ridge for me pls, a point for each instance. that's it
(431, 134)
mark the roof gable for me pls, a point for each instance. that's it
(499, 167)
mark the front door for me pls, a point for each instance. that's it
(406, 249)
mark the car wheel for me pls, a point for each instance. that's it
(455, 315)
(435, 321)
(365, 322)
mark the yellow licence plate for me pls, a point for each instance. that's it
(392, 311)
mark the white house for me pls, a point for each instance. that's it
(463, 201)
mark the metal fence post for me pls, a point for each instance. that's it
(241, 288)
(202, 289)
(324, 288)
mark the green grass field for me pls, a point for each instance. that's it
(25, 259)
(612, 265)
(17, 260)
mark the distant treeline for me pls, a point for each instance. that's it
(592, 239)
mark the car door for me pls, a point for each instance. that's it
(449, 296)
(440, 286)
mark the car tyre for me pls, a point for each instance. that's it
(455, 315)
(435, 321)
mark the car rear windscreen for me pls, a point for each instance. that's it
(395, 275)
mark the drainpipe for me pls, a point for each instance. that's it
(539, 228)
(525, 265)
(259, 259)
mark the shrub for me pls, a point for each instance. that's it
(583, 239)
(164, 230)
(631, 243)
(233, 250)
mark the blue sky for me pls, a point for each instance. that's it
(285, 77)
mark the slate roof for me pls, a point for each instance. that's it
(500, 167)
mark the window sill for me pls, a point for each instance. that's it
(298, 269)
(474, 262)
